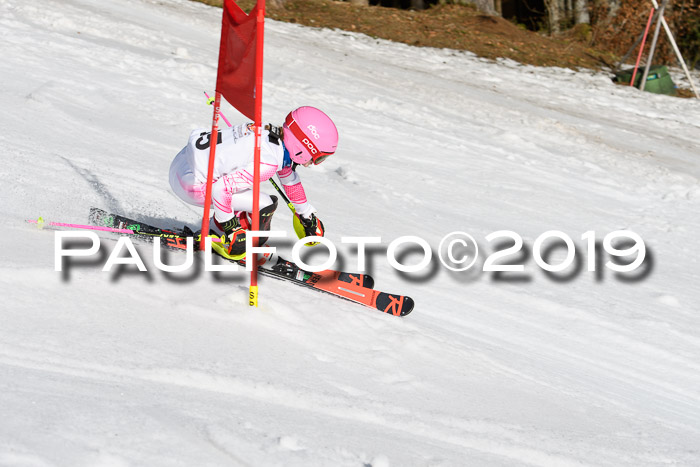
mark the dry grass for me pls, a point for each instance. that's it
(450, 26)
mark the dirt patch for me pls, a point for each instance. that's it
(444, 26)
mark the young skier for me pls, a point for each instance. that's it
(307, 137)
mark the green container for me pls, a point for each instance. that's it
(658, 81)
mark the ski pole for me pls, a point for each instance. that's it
(40, 223)
(284, 196)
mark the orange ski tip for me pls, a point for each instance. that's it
(394, 306)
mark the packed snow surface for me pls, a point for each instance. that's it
(126, 368)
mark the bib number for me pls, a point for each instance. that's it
(204, 140)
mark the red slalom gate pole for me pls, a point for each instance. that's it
(259, 31)
(210, 169)
(641, 47)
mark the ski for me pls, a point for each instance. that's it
(358, 288)
(175, 239)
(343, 285)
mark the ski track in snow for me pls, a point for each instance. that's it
(129, 368)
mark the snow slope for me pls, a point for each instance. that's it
(130, 368)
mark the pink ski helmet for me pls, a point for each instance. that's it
(309, 134)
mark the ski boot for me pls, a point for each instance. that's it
(235, 232)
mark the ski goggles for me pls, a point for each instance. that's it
(317, 155)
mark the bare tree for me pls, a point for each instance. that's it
(554, 13)
(566, 13)
(581, 15)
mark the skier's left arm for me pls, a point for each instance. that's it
(304, 210)
(295, 192)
